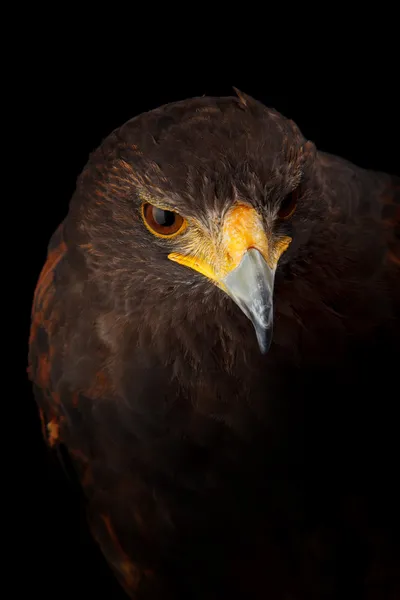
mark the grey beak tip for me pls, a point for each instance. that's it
(251, 285)
(263, 349)
(264, 339)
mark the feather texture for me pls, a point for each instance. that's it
(209, 469)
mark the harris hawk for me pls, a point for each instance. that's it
(214, 342)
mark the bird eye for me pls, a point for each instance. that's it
(164, 223)
(288, 205)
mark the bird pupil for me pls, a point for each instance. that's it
(287, 203)
(164, 218)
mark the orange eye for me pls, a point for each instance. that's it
(163, 223)
(288, 205)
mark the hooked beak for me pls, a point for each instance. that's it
(251, 286)
(243, 266)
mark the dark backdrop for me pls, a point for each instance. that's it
(67, 116)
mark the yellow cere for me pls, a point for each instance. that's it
(195, 263)
(242, 229)
(281, 245)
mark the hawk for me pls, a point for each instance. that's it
(214, 343)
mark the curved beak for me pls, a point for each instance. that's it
(251, 286)
(243, 266)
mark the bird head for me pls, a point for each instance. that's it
(199, 200)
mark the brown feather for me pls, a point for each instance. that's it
(210, 470)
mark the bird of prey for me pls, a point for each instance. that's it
(214, 343)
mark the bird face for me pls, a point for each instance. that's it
(235, 254)
(214, 185)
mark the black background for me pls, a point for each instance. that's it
(66, 117)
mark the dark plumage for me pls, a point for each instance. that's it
(212, 469)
